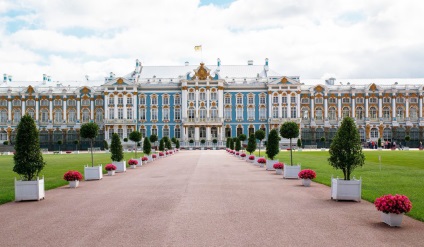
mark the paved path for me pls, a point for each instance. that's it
(198, 198)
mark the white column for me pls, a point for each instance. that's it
(407, 107)
(280, 107)
(37, 108)
(312, 107)
(298, 105)
(270, 103)
(125, 106)
(106, 107)
(184, 103)
(78, 109)
(220, 103)
(64, 109)
(393, 107)
(288, 106)
(197, 104)
(207, 103)
(208, 133)
(92, 108)
(9, 109)
(196, 133)
(23, 107)
(353, 105)
(421, 106)
(380, 107)
(183, 133)
(339, 107)
(51, 109)
(115, 109)
(135, 107)
(366, 106)
(325, 106)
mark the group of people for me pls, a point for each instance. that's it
(389, 145)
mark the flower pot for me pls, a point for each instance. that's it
(279, 171)
(306, 182)
(291, 171)
(73, 184)
(111, 173)
(392, 219)
(93, 173)
(270, 164)
(140, 163)
(120, 166)
(29, 190)
(349, 190)
(133, 166)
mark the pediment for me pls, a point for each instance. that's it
(202, 73)
(285, 81)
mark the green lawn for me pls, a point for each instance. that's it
(402, 172)
(53, 172)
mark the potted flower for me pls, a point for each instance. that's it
(110, 168)
(73, 177)
(272, 149)
(393, 208)
(133, 163)
(117, 155)
(203, 141)
(154, 156)
(346, 154)
(243, 156)
(143, 160)
(90, 131)
(306, 176)
(135, 136)
(279, 168)
(290, 130)
(252, 158)
(237, 153)
(261, 161)
(28, 161)
(161, 154)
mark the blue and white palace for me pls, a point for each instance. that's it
(207, 102)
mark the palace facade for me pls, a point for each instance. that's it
(207, 102)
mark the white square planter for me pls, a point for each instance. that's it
(256, 160)
(140, 163)
(93, 173)
(29, 190)
(349, 190)
(121, 166)
(270, 164)
(149, 158)
(291, 171)
(392, 219)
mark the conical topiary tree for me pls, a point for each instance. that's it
(231, 144)
(162, 145)
(272, 147)
(59, 143)
(227, 143)
(28, 158)
(260, 135)
(251, 144)
(238, 145)
(147, 146)
(90, 131)
(299, 143)
(76, 142)
(135, 136)
(177, 144)
(168, 144)
(116, 148)
(105, 145)
(153, 139)
(345, 149)
(290, 130)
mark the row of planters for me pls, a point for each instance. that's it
(29, 162)
(345, 154)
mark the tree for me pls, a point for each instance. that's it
(161, 145)
(153, 139)
(90, 131)
(379, 142)
(125, 139)
(105, 145)
(407, 139)
(299, 143)
(215, 141)
(168, 144)
(231, 144)
(76, 142)
(346, 150)
(135, 136)
(116, 148)
(59, 143)
(238, 145)
(260, 135)
(177, 144)
(174, 140)
(242, 138)
(290, 130)
(28, 158)
(272, 147)
(227, 143)
(322, 139)
(147, 146)
(251, 144)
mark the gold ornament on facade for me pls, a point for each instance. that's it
(284, 80)
(373, 87)
(319, 88)
(201, 73)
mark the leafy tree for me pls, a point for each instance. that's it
(238, 145)
(407, 139)
(90, 131)
(260, 135)
(177, 144)
(153, 138)
(147, 146)
(105, 145)
(323, 140)
(242, 137)
(346, 150)
(299, 143)
(76, 142)
(231, 144)
(59, 143)
(272, 147)
(214, 141)
(203, 141)
(116, 148)
(251, 144)
(161, 145)
(125, 139)
(227, 144)
(174, 140)
(135, 136)
(28, 158)
(290, 130)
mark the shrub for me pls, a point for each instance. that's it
(161, 145)
(6, 143)
(202, 141)
(251, 157)
(272, 149)
(72, 176)
(237, 153)
(397, 204)
(231, 144)
(168, 144)
(242, 137)
(177, 145)
(28, 158)
(132, 162)
(290, 130)
(238, 144)
(214, 141)
(147, 147)
(191, 141)
(153, 138)
(299, 143)
(110, 167)
(90, 131)
(116, 148)
(278, 165)
(261, 160)
(125, 139)
(307, 174)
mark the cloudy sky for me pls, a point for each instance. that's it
(313, 39)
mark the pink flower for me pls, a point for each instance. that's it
(243, 155)
(278, 165)
(144, 158)
(261, 160)
(396, 204)
(72, 176)
(110, 167)
(251, 157)
(307, 174)
(132, 162)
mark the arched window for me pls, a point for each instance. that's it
(414, 134)
(191, 113)
(305, 113)
(31, 113)
(319, 133)
(239, 130)
(58, 116)
(214, 113)
(214, 132)
(177, 132)
(400, 113)
(3, 116)
(99, 115)
(373, 113)
(44, 115)
(413, 113)
(30, 102)
(275, 112)
(318, 114)
(284, 112)
(374, 133)
(191, 132)
(228, 131)
(362, 134)
(85, 116)
(332, 113)
(202, 132)
(202, 113)
(359, 113)
(387, 134)
(386, 113)
(346, 111)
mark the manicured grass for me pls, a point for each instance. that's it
(402, 172)
(53, 172)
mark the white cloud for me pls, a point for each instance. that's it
(69, 39)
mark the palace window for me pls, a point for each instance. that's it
(359, 100)
(166, 132)
(293, 112)
(413, 100)
(318, 100)
(72, 116)
(111, 113)
(3, 102)
(44, 116)
(86, 102)
(72, 102)
(332, 113)
(202, 96)
(202, 132)
(44, 102)
(143, 132)
(31, 113)
(304, 101)
(293, 100)
(373, 113)
(400, 100)
(227, 113)
(154, 114)
(386, 113)
(386, 100)
(30, 102)
(400, 113)
(275, 112)
(99, 115)
(191, 113)
(154, 131)
(177, 100)
(319, 114)
(177, 133)
(227, 100)
(154, 100)
(239, 113)
(250, 100)
(214, 113)
(214, 132)
(284, 112)
(165, 100)
(413, 113)
(142, 100)
(373, 100)
(112, 100)
(202, 114)
(359, 113)
(3, 116)
(85, 116)
(142, 114)
(191, 96)
(177, 114)
(16, 102)
(99, 102)
(239, 99)
(214, 96)
(129, 100)
(129, 113)
(120, 101)
(305, 113)
(374, 133)
(262, 99)
(120, 113)
(121, 133)
(361, 134)
(250, 113)
(275, 99)
(284, 100)
(346, 100)
(165, 114)
(262, 113)
(190, 132)
(58, 116)
(16, 116)
(346, 112)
